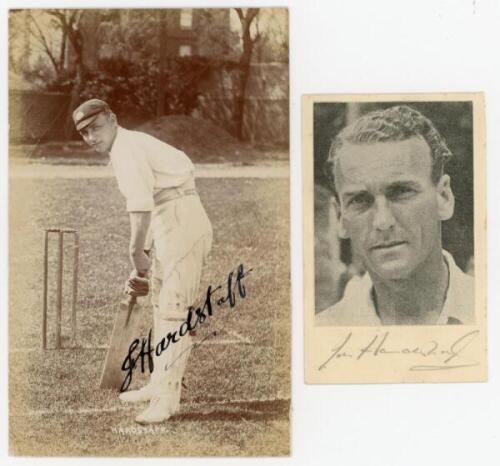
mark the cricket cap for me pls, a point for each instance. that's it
(87, 112)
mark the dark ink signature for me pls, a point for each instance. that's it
(380, 345)
(195, 316)
(191, 347)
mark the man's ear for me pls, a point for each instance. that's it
(341, 231)
(445, 198)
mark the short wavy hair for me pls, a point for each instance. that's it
(397, 123)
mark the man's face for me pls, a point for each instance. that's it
(389, 206)
(100, 134)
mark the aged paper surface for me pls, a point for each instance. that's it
(348, 338)
(175, 75)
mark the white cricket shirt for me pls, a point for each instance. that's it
(144, 165)
(357, 308)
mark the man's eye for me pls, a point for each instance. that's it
(359, 201)
(401, 192)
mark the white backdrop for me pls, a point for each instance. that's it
(360, 46)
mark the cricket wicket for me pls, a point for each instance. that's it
(60, 232)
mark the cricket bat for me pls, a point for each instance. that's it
(124, 332)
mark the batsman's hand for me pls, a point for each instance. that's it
(136, 285)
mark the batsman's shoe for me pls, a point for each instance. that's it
(138, 396)
(160, 409)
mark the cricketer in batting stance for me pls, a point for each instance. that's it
(158, 183)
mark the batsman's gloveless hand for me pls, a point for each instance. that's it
(137, 286)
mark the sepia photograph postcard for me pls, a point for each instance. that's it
(149, 237)
(394, 238)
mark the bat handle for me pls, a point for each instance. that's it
(131, 299)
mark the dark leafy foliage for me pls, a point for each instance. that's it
(129, 87)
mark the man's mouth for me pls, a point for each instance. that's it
(387, 245)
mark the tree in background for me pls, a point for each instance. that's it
(128, 57)
(247, 17)
(55, 50)
(19, 47)
(70, 21)
(272, 29)
(162, 40)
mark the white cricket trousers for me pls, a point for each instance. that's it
(182, 240)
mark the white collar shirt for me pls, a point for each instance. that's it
(144, 165)
(357, 307)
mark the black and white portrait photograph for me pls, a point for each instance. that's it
(402, 210)
(149, 232)
(394, 208)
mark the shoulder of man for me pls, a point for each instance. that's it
(355, 307)
(461, 296)
(147, 137)
(149, 142)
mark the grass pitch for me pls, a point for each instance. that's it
(238, 385)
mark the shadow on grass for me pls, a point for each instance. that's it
(237, 411)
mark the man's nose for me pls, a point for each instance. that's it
(383, 218)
